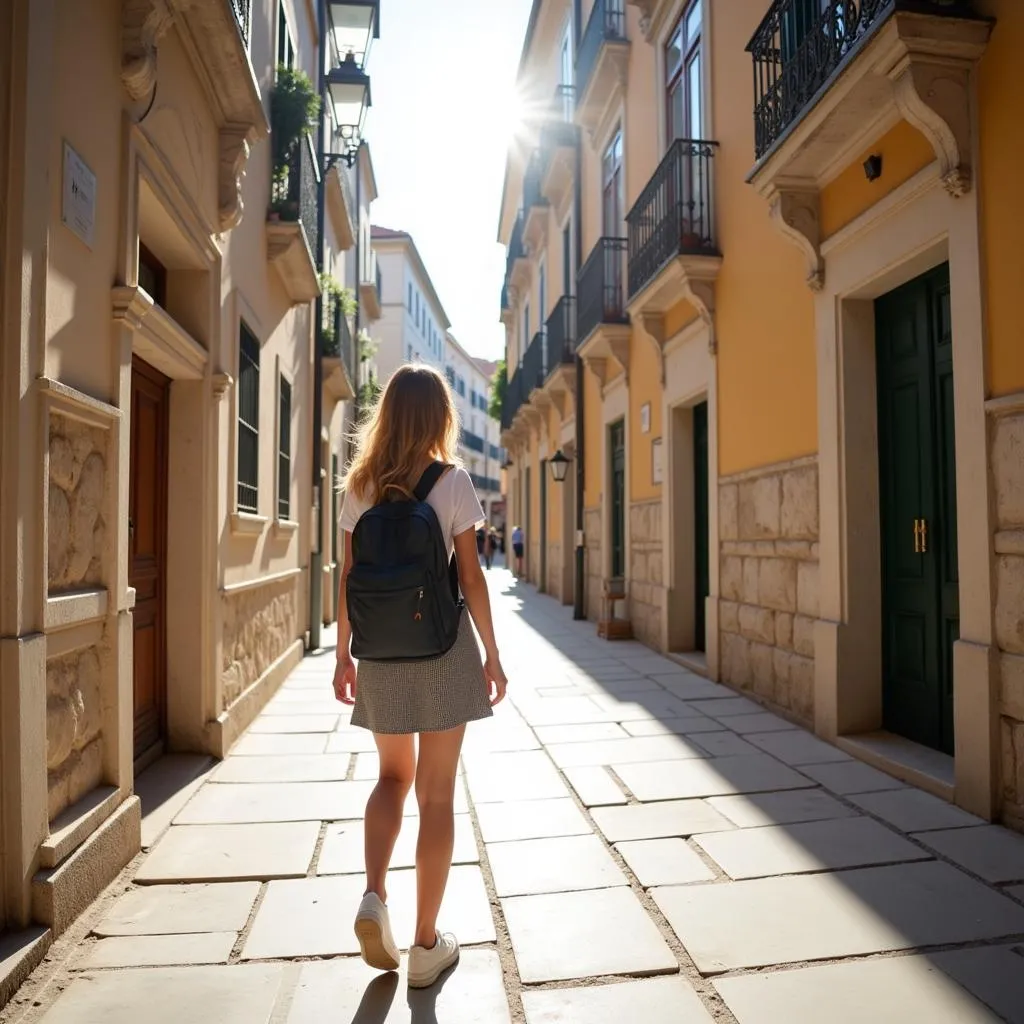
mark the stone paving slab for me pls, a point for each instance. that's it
(177, 909)
(594, 786)
(294, 723)
(796, 747)
(762, 721)
(658, 820)
(664, 862)
(348, 990)
(283, 768)
(350, 741)
(815, 917)
(720, 776)
(211, 853)
(243, 803)
(754, 810)
(531, 819)
(723, 744)
(641, 707)
(560, 710)
(813, 846)
(159, 950)
(171, 995)
(580, 733)
(326, 705)
(342, 850)
(652, 1001)
(913, 810)
(564, 864)
(687, 686)
(571, 935)
(690, 725)
(313, 916)
(529, 775)
(625, 751)
(990, 851)
(992, 973)
(847, 778)
(273, 744)
(893, 991)
(726, 705)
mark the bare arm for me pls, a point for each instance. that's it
(344, 670)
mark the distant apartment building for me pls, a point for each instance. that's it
(479, 445)
(413, 322)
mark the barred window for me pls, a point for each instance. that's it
(284, 449)
(248, 420)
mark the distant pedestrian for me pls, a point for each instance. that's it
(490, 546)
(407, 509)
(517, 548)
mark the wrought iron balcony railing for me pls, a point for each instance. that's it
(516, 250)
(601, 287)
(296, 193)
(473, 442)
(561, 331)
(485, 483)
(243, 15)
(512, 400)
(607, 23)
(801, 46)
(534, 361)
(673, 215)
(532, 194)
(559, 130)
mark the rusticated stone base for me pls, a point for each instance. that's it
(74, 720)
(646, 587)
(592, 542)
(259, 625)
(1008, 474)
(768, 528)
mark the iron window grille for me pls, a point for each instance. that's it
(248, 420)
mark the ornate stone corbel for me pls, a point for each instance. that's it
(143, 22)
(598, 366)
(234, 152)
(935, 99)
(653, 325)
(619, 346)
(701, 295)
(795, 212)
(222, 382)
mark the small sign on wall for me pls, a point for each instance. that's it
(78, 210)
(645, 418)
(656, 468)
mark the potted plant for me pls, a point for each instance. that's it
(294, 109)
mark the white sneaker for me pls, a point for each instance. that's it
(373, 930)
(427, 965)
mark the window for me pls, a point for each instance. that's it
(611, 182)
(683, 77)
(410, 299)
(472, 400)
(248, 420)
(285, 48)
(450, 374)
(284, 448)
(152, 276)
(526, 327)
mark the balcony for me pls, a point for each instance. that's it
(473, 442)
(535, 205)
(292, 236)
(673, 255)
(560, 364)
(215, 35)
(602, 321)
(485, 483)
(559, 136)
(517, 264)
(338, 350)
(831, 78)
(341, 206)
(510, 406)
(602, 62)
(370, 287)
(534, 362)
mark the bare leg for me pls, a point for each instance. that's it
(384, 808)
(435, 793)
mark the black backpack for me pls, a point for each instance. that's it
(402, 591)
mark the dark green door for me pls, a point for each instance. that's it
(617, 448)
(542, 582)
(701, 571)
(527, 509)
(920, 587)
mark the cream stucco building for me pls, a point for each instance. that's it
(157, 485)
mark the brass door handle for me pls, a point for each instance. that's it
(920, 536)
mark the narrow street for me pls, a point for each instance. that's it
(633, 843)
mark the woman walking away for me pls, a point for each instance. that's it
(490, 547)
(517, 548)
(407, 509)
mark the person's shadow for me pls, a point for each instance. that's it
(380, 995)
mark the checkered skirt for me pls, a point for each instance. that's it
(424, 696)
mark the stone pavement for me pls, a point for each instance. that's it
(633, 843)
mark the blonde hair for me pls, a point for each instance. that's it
(413, 422)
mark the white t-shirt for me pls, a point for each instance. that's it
(453, 499)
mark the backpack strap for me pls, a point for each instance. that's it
(431, 475)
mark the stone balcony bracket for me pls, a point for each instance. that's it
(288, 251)
(605, 349)
(795, 210)
(337, 383)
(561, 390)
(597, 107)
(535, 228)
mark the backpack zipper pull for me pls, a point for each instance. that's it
(419, 601)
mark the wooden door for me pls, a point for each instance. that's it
(920, 586)
(147, 552)
(701, 573)
(617, 448)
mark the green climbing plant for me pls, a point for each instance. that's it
(499, 384)
(294, 109)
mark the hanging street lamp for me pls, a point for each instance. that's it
(559, 466)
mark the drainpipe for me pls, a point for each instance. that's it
(578, 610)
(316, 557)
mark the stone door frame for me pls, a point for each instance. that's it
(915, 228)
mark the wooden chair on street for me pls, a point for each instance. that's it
(608, 626)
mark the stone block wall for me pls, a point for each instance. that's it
(1008, 474)
(77, 487)
(646, 572)
(768, 533)
(553, 570)
(74, 721)
(260, 623)
(592, 542)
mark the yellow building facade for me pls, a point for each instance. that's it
(783, 233)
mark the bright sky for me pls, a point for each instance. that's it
(443, 76)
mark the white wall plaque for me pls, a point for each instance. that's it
(645, 418)
(78, 211)
(656, 469)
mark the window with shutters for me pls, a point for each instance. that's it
(248, 420)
